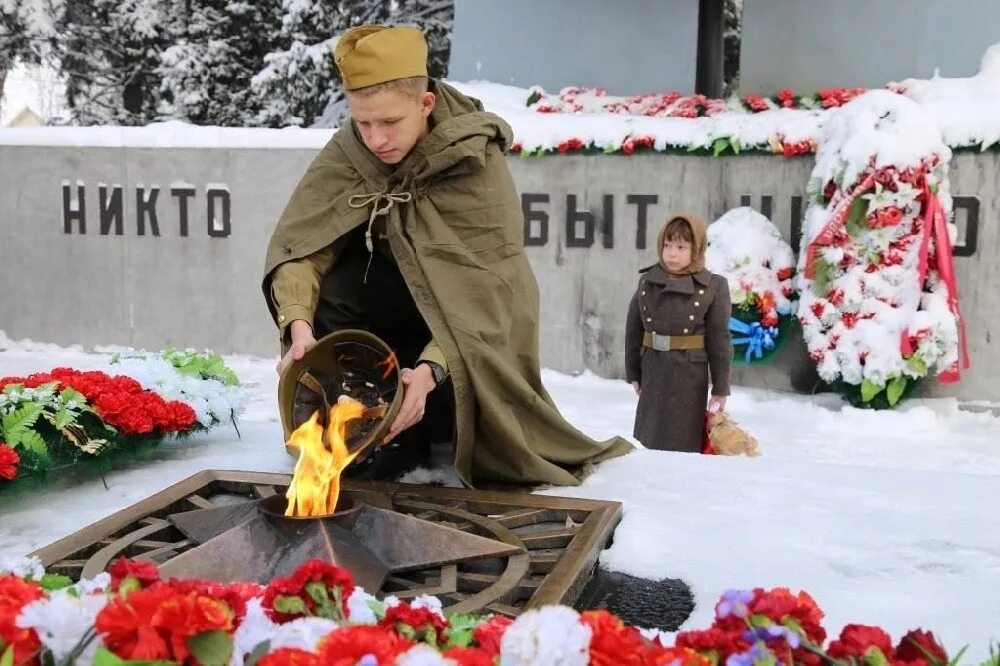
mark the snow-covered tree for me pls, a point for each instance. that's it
(434, 17)
(26, 32)
(732, 17)
(218, 46)
(300, 84)
(109, 53)
(298, 77)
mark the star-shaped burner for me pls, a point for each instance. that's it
(255, 541)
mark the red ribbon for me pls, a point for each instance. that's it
(706, 440)
(935, 223)
(838, 220)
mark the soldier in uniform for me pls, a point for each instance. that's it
(407, 224)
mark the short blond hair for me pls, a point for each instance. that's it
(412, 86)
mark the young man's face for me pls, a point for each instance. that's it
(391, 121)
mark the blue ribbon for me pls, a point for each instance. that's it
(757, 338)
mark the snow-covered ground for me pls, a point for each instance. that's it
(886, 518)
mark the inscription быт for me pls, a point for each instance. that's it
(584, 227)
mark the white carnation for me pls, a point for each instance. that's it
(433, 604)
(255, 628)
(423, 655)
(23, 567)
(546, 636)
(61, 620)
(304, 633)
(99, 583)
(359, 607)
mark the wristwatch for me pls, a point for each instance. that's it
(437, 372)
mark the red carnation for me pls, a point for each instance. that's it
(157, 622)
(9, 461)
(145, 573)
(921, 645)
(314, 571)
(569, 144)
(137, 420)
(417, 618)
(346, 646)
(111, 405)
(330, 575)
(37, 379)
(180, 416)
(850, 319)
(889, 216)
(414, 623)
(288, 657)
(785, 273)
(489, 633)
(715, 639)
(611, 641)
(186, 615)
(786, 98)
(770, 320)
(235, 595)
(15, 594)
(125, 624)
(817, 309)
(857, 639)
(125, 384)
(667, 656)
(779, 602)
(765, 302)
(756, 102)
(469, 656)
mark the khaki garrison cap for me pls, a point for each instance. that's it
(371, 54)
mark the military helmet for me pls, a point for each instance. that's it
(352, 363)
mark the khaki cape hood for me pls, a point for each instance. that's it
(459, 244)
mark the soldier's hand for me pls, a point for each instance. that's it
(416, 385)
(302, 341)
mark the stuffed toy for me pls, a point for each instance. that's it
(724, 437)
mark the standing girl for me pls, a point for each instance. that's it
(676, 335)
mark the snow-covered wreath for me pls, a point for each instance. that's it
(879, 301)
(747, 249)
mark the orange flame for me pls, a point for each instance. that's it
(315, 486)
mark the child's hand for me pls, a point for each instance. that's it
(717, 404)
(637, 387)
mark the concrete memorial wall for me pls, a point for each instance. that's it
(155, 246)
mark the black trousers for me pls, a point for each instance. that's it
(381, 303)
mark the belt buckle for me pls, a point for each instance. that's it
(664, 342)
